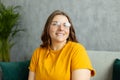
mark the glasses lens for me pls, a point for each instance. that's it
(55, 23)
(67, 24)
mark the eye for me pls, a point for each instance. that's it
(56, 23)
(67, 24)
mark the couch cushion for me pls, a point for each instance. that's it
(15, 70)
(116, 70)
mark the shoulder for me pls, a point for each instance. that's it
(38, 50)
(75, 45)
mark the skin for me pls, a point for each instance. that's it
(59, 37)
(59, 34)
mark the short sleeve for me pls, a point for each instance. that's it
(34, 60)
(80, 60)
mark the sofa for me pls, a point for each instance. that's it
(14, 70)
(102, 61)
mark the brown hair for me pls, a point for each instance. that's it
(45, 37)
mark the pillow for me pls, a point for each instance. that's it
(14, 70)
(116, 70)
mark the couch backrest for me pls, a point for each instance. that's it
(102, 61)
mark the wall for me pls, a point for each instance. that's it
(97, 23)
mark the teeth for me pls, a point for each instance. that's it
(60, 34)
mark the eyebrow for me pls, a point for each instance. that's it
(60, 22)
(55, 21)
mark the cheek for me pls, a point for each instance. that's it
(68, 31)
(52, 29)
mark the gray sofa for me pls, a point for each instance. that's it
(103, 63)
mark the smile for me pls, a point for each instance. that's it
(60, 34)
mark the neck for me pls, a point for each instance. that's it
(57, 45)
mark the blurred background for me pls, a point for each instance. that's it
(96, 22)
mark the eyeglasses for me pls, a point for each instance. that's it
(58, 24)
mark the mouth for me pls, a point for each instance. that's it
(60, 34)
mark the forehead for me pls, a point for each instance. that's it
(60, 18)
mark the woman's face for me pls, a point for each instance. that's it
(59, 29)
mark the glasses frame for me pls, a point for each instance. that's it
(58, 24)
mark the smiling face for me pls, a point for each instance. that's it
(59, 29)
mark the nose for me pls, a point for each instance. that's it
(61, 27)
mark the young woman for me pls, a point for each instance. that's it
(60, 56)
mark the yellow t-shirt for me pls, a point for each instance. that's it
(58, 65)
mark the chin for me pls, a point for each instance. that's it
(61, 40)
